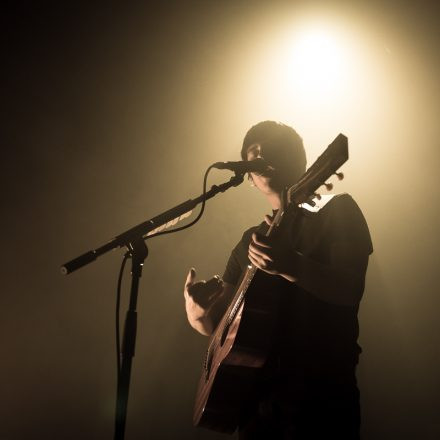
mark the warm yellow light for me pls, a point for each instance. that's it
(317, 67)
(321, 74)
(317, 60)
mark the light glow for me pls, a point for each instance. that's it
(317, 61)
(316, 72)
(317, 66)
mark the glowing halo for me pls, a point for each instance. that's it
(317, 65)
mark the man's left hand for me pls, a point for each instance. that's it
(271, 255)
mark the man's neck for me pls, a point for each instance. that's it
(274, 199)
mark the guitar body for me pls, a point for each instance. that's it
(236, 353)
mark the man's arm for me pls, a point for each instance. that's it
(339, 282)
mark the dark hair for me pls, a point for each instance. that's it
(280, 144)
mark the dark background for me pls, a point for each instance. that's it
(111, 114)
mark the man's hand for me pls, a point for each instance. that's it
(199, 298)
(202, 293)
(271, 254)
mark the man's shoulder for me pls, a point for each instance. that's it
(339, 218)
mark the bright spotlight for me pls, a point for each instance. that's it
(315, 70)
(317, 58)
(317, 64)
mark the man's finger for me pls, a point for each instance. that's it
(255, 250)
(268, 219)
(262, 258)
(214, 284)
(260, 240)
(216, 293)
(190, 277)
(256, 261)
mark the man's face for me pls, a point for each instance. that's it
(267, 183)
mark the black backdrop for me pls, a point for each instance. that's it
(110, 114)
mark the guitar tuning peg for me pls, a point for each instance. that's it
(340, 175)
(328, 186)
(318, 196)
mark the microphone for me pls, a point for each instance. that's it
(244, 166)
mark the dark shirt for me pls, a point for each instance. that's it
(316, 341)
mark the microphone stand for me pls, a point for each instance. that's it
(138, 252)
(133, 239)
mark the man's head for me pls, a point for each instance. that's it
(281, 146)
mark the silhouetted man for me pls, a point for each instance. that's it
(307, 389)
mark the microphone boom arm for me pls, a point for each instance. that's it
(142, 229)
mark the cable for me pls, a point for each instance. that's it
(202, 209)
(126, 256)
(118, 306)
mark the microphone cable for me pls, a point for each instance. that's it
(124, 261)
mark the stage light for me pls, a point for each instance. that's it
(317, 65)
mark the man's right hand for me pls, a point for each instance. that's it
(202, 293)
(199, 298)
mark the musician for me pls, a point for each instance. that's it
(317, 260)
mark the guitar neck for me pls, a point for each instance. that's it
(251, 270)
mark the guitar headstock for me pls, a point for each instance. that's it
(324, 167)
